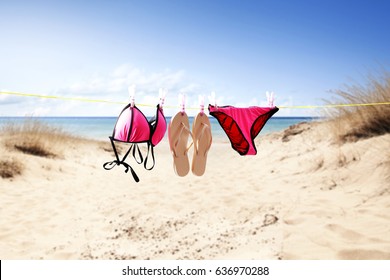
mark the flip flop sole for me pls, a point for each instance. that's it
(178, 138)
(201, 131)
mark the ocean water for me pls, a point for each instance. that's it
(101, 127)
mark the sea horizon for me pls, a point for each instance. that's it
(100, 127)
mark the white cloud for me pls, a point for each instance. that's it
(113, 86)
(7, 99)
(120, 78)
(40, 111)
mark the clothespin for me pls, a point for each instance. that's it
(182, 101)
(212, 99)
(131, 90)
(162, 94)
(270, 99)
(201, 103)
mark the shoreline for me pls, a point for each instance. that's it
(99, 128)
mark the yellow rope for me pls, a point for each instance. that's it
(189, 108)
(335, 105)
(59, 97)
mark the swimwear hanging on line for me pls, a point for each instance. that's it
(242, 125)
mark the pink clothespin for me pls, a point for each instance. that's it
(270, 99)
(131, 90)
(182, 101)
(162, 94)
(201, 103)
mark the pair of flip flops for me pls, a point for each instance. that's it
(178, 134)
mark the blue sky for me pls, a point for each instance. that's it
(300, 50)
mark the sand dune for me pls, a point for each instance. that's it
(303, 196)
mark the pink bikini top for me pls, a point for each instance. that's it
(133, 127)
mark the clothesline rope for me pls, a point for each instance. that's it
(171, 106)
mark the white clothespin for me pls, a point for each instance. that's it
(201, 103)
(270, 99)
(182, 101)
(162, 94)
(212, 99)
(131, 90)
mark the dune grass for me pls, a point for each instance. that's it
(10, 168)
(359, 122)
(35, 138)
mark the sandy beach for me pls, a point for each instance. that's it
(303, 196)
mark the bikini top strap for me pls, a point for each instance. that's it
(140, 157)
(150, 151)
(110, 165)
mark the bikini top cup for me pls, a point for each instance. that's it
(133, 127)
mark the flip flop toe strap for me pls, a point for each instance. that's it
(183, 127)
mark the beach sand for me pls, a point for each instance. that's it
(303, 196)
